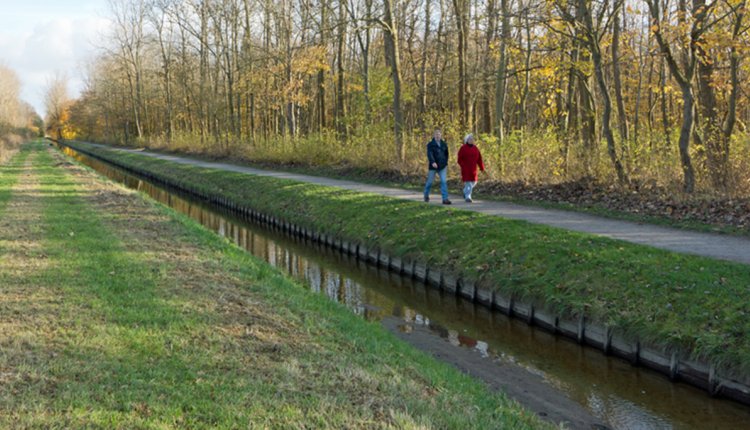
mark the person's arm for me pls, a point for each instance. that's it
(430, 156)
(479, 160)
(461, 154)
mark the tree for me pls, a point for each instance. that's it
(691, 35)
(593, 38)
(715, 134)
(342, 25)
(735, 61)
(57, 103)
(129, 18)
(461, 10)
(569, 76)
(10, 104)
(390, 28)
(501, 86)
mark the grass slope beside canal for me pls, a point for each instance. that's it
(697, 305)
(136, 317)
(9, 175)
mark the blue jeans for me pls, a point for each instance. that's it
(468, 187)
(443, 173)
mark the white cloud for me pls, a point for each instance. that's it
(54, 45)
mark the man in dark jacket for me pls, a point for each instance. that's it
(437, 163)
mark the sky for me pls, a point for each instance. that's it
(42, 38)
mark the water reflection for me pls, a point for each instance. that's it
(625, 397)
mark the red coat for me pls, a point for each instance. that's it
(469, 158)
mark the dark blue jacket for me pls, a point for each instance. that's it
(437, 152)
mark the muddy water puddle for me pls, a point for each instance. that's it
(470, 336)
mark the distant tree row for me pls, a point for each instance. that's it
(629, 79)
(16, 116)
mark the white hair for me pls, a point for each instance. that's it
(468, 136)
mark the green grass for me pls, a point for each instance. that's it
(155, 322)
(695, 305)
(9, 175)
(417, 184)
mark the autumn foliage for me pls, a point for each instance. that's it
(629, 93)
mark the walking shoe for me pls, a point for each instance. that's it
(469, 200)
(446, 202)
(427, 198)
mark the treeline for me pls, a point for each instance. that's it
(621, 91)
(18, 120)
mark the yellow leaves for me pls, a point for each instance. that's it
(550, 111)
(61, 125)
(287, 78)
(548, 71)
(719, 38)
(558, 25)
(632, 11)
(309, 61)
(354, 86)
(68, 131)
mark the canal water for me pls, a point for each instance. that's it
(623, 396)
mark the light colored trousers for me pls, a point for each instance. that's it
(468, 187)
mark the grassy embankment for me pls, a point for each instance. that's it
(416, 183)
(696, 305)
(116, 312)
(528, 168)
(365, 169)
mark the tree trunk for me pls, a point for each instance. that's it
(622, 114)
(734, 66)
(684, 143)
(366, 65)
(572, 116)
(527, 71)
(684, 77)
(203, 95)
(709, 115)
(639, 92)
(502, 71)
(486, 72)
(423, 64)
(663, 97)
(291, 111)
(392, 53)
(735, 60)
(340, 93)
(460, 9)
(321, 72)
(596, 56)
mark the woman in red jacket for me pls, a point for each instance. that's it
(469, 158)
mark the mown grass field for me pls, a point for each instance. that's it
(695, 305)
(116, 312)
